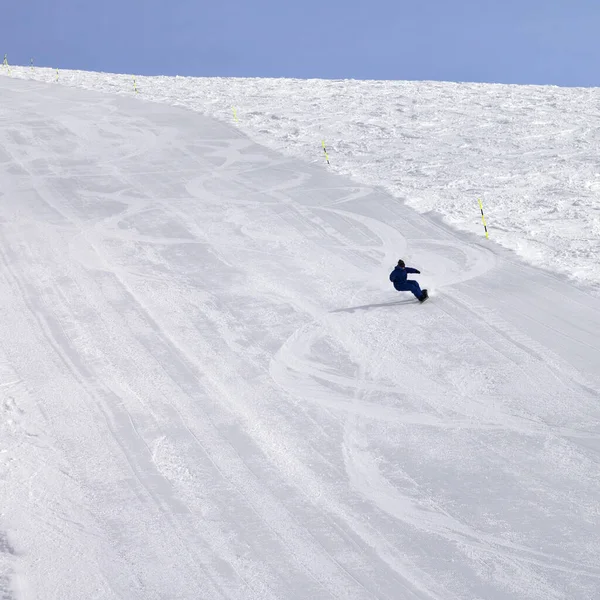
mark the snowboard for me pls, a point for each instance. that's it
(424, 297)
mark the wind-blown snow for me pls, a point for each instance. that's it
(530, 152)
(209, 389)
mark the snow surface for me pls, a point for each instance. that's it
(210, 390)
(531, 153)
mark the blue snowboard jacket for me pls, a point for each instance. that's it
(398, 276)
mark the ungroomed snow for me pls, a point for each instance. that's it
(209, 388)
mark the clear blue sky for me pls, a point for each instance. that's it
(507, 41)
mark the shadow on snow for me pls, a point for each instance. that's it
(370, 306)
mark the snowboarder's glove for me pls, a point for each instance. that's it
(416, 271)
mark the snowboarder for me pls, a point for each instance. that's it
(398, 278)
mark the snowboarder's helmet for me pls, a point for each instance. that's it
(401, 264)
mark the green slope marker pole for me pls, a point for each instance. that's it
(325, 150)
(483, 218)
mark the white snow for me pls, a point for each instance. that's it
(208, 387)
(531, 153)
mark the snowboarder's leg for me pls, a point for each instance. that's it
(415, 288)
(410, 286)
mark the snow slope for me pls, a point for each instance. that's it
(530, 152)
(209, 389)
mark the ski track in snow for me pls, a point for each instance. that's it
(209, 389)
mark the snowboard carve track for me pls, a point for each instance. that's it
(300, 370)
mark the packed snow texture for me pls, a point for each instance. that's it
(209, 388)
(531, 153)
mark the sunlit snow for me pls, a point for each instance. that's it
(208, 386)
(531, 153)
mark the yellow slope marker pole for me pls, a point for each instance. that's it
(325, 150)
(31, 64)
(483, 218)
(234, 114)
(135, 85)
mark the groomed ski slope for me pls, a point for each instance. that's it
(210, 390)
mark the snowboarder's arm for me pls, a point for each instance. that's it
(411, 270)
